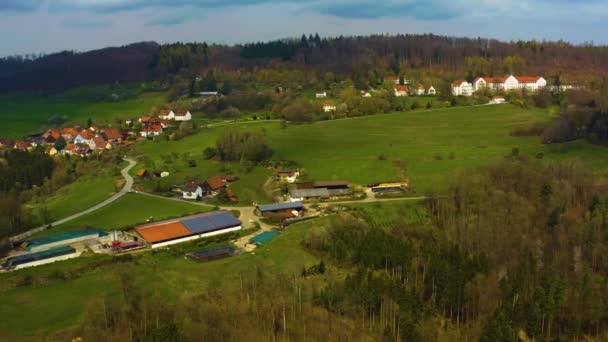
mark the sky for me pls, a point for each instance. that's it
(44, 26)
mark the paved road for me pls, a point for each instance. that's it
(122, 192)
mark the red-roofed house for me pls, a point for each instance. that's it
(165, 123)
(87, 134)
(214, 183)
(182, 115)
(462, 88)
(151, 130)
(401, 90)
(112, 134)
(505, 83)
(166, 114)
(479, 83)
(532, 83)
(69, 149)
(23, 145)
(99, 143)
(420, 90)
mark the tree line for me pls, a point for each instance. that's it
(364, 59)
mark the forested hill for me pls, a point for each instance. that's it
(131, 63)
(363, 59)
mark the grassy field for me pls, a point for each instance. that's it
(248, 188)
(425, 146)
(78, 196)
(21, 116)
(30, 313)
(129, 210)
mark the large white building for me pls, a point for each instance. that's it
(532, 83)
(462, 88)
(509, 82)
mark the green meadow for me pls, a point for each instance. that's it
(21, 116)
(426, 146)
(78, 196)
(127, 211)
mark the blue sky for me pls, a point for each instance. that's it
(39, 26)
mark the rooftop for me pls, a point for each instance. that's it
(280, 206)
(187, 226)
(63, 236)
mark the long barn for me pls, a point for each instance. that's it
(169, 232)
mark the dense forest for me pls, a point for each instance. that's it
(364, 59)
(69, 69)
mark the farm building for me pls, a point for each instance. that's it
(212, 254)
(389, 187)
(264, 237)
(40, 258)
(289, 209)
(214, 183)
(231, 196)
(164, 233)
(319, 190)
(317, 193)
(63, 239)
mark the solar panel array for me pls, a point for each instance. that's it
(210, 222)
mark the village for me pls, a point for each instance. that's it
(296, 199)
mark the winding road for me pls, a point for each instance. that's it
(247, 212)
(128, 184)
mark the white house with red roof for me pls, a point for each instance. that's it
(183, 116)
(420, 90)
(505, 83)
(531, 83)
(509, 82)
(151, 130)
(401, 90)
(166, 114)
(462, 88)
(479, 83)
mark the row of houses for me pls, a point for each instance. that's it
(210, 187)
(78, 141)
(420, 90)
(506, 83)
